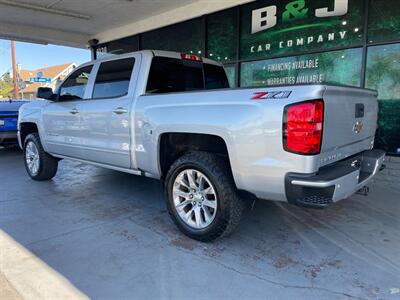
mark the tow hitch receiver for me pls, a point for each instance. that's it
(363, 191)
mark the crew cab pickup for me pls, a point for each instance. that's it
(172, 116)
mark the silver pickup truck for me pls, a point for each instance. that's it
(172, 116)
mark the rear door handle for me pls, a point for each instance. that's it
(74, 111)
(120, 111)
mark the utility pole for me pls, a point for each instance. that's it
(15, 74)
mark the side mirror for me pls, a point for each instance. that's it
(46, 93)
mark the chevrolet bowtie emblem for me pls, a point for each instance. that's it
(358, 127)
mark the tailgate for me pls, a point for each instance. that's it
(350, 119)
(8, 121)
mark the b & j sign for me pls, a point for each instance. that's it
(272, 27)
(266, 17)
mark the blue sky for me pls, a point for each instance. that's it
(34, 56)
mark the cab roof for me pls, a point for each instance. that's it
(154, 53)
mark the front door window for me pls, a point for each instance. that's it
(75, 86)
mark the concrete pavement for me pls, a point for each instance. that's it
(108, 235)
(7, 291)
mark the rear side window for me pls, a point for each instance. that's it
(169, 75)
(113, 78)
(75, 86)
(215, 77)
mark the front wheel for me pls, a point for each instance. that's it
(39, 164)
(201, 196)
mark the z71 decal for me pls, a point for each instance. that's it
(271, 95)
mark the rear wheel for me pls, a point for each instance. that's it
(39, 164)
(201, 196)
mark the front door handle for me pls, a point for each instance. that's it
(74, 111)
(120, 111)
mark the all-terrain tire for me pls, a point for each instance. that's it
(48, 164)
(229, 204)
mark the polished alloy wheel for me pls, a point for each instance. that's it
(194, 198)
(32, 158)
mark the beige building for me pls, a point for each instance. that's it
(55, 74)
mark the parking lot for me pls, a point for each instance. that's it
(109, 235)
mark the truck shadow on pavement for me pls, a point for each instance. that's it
(109, 233)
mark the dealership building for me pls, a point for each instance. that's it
(271, 42)
(260, 43)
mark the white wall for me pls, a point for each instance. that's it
(173, 16)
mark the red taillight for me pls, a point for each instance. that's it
(302, 127)
(191, 57)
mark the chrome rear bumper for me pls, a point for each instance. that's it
(334, 182)
(7, 136)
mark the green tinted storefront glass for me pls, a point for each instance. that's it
(383, 75)
(231, 73)
(271, 27)
(221, 35)
(183, 37)
(384, 21)
(336, 67)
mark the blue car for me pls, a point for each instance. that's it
(8, 121)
